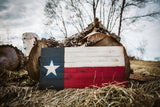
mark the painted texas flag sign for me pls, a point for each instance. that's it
(79, 67)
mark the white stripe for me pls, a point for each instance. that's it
(94, 56)
(93, 59)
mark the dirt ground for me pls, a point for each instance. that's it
(145, 70)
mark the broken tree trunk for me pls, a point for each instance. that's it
(33, 65)
(80, 38)
(11, 58)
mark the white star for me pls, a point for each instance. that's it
(51, 69)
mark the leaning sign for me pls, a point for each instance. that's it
(80, 67)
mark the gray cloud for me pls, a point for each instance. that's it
(18, 13)
(3, 5)
(11, 10)
(18, 17)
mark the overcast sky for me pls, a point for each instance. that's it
(20, 16)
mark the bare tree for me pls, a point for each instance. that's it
(111, 13)
(86, 11)
(63, 23)
(103, 12)
(157, 58)
(137, 4)
(56, 16)
(142, 48)
(95, 4)
(121, 15)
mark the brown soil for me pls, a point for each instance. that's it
(142, 77)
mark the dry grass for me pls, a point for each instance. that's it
(18, 90)
(146, 67)
(112, 96)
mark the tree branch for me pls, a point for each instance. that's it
(146, 15)
(121, 15)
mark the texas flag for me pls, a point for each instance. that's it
(80, 67)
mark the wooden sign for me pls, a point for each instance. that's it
(80, 67)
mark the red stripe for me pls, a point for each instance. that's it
(89, 76)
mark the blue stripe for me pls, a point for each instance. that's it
(56, 55)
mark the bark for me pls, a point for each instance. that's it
(11, 58)
(121, 15)
(86, 11)
(95, 8)
(104, 13)
(64, 26)
(110, 14)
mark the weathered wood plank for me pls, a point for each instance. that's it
(94, 56)
(94, 51)
(94, 64)
(93, 59)
(108, 49)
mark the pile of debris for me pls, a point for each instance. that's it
(51, 42)
(75, 39)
